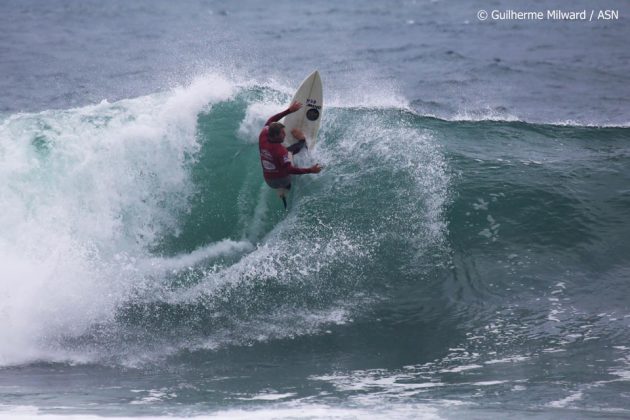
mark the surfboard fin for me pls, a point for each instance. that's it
(284, 201)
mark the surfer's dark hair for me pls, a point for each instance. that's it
(274, 130)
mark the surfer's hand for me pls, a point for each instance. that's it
(315, 169)
(295, 106)
(298, 134)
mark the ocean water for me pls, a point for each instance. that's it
(463, 254)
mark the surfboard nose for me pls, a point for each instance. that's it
(308, 118)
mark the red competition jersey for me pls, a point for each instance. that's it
(274, 157)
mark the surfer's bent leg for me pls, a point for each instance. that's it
(301, 141)
(280, 183)
(296, 147)
(282, 187)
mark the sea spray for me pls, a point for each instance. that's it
(81, 188)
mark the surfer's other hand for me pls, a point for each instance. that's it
(295, 106)
(315, 169)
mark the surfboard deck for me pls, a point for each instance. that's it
(309, 117)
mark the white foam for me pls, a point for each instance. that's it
(489, 383)
(282, 324)
(590, 124)
(623, 374)
(225, 247)
(380, 382)
(255, 116)
(507, 360)
(291, 410)
(463, 368)
(270, 396)
(565, 402)
(153, 396)
(485, 113)
(81, 187)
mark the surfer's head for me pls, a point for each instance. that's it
(276, 132)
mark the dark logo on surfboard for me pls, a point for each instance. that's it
(312, 114)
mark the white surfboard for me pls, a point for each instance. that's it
(309, 117)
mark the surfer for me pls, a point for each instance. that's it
(274, 157)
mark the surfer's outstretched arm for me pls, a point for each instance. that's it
(291, 109)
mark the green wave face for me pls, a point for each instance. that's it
(146, 228)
